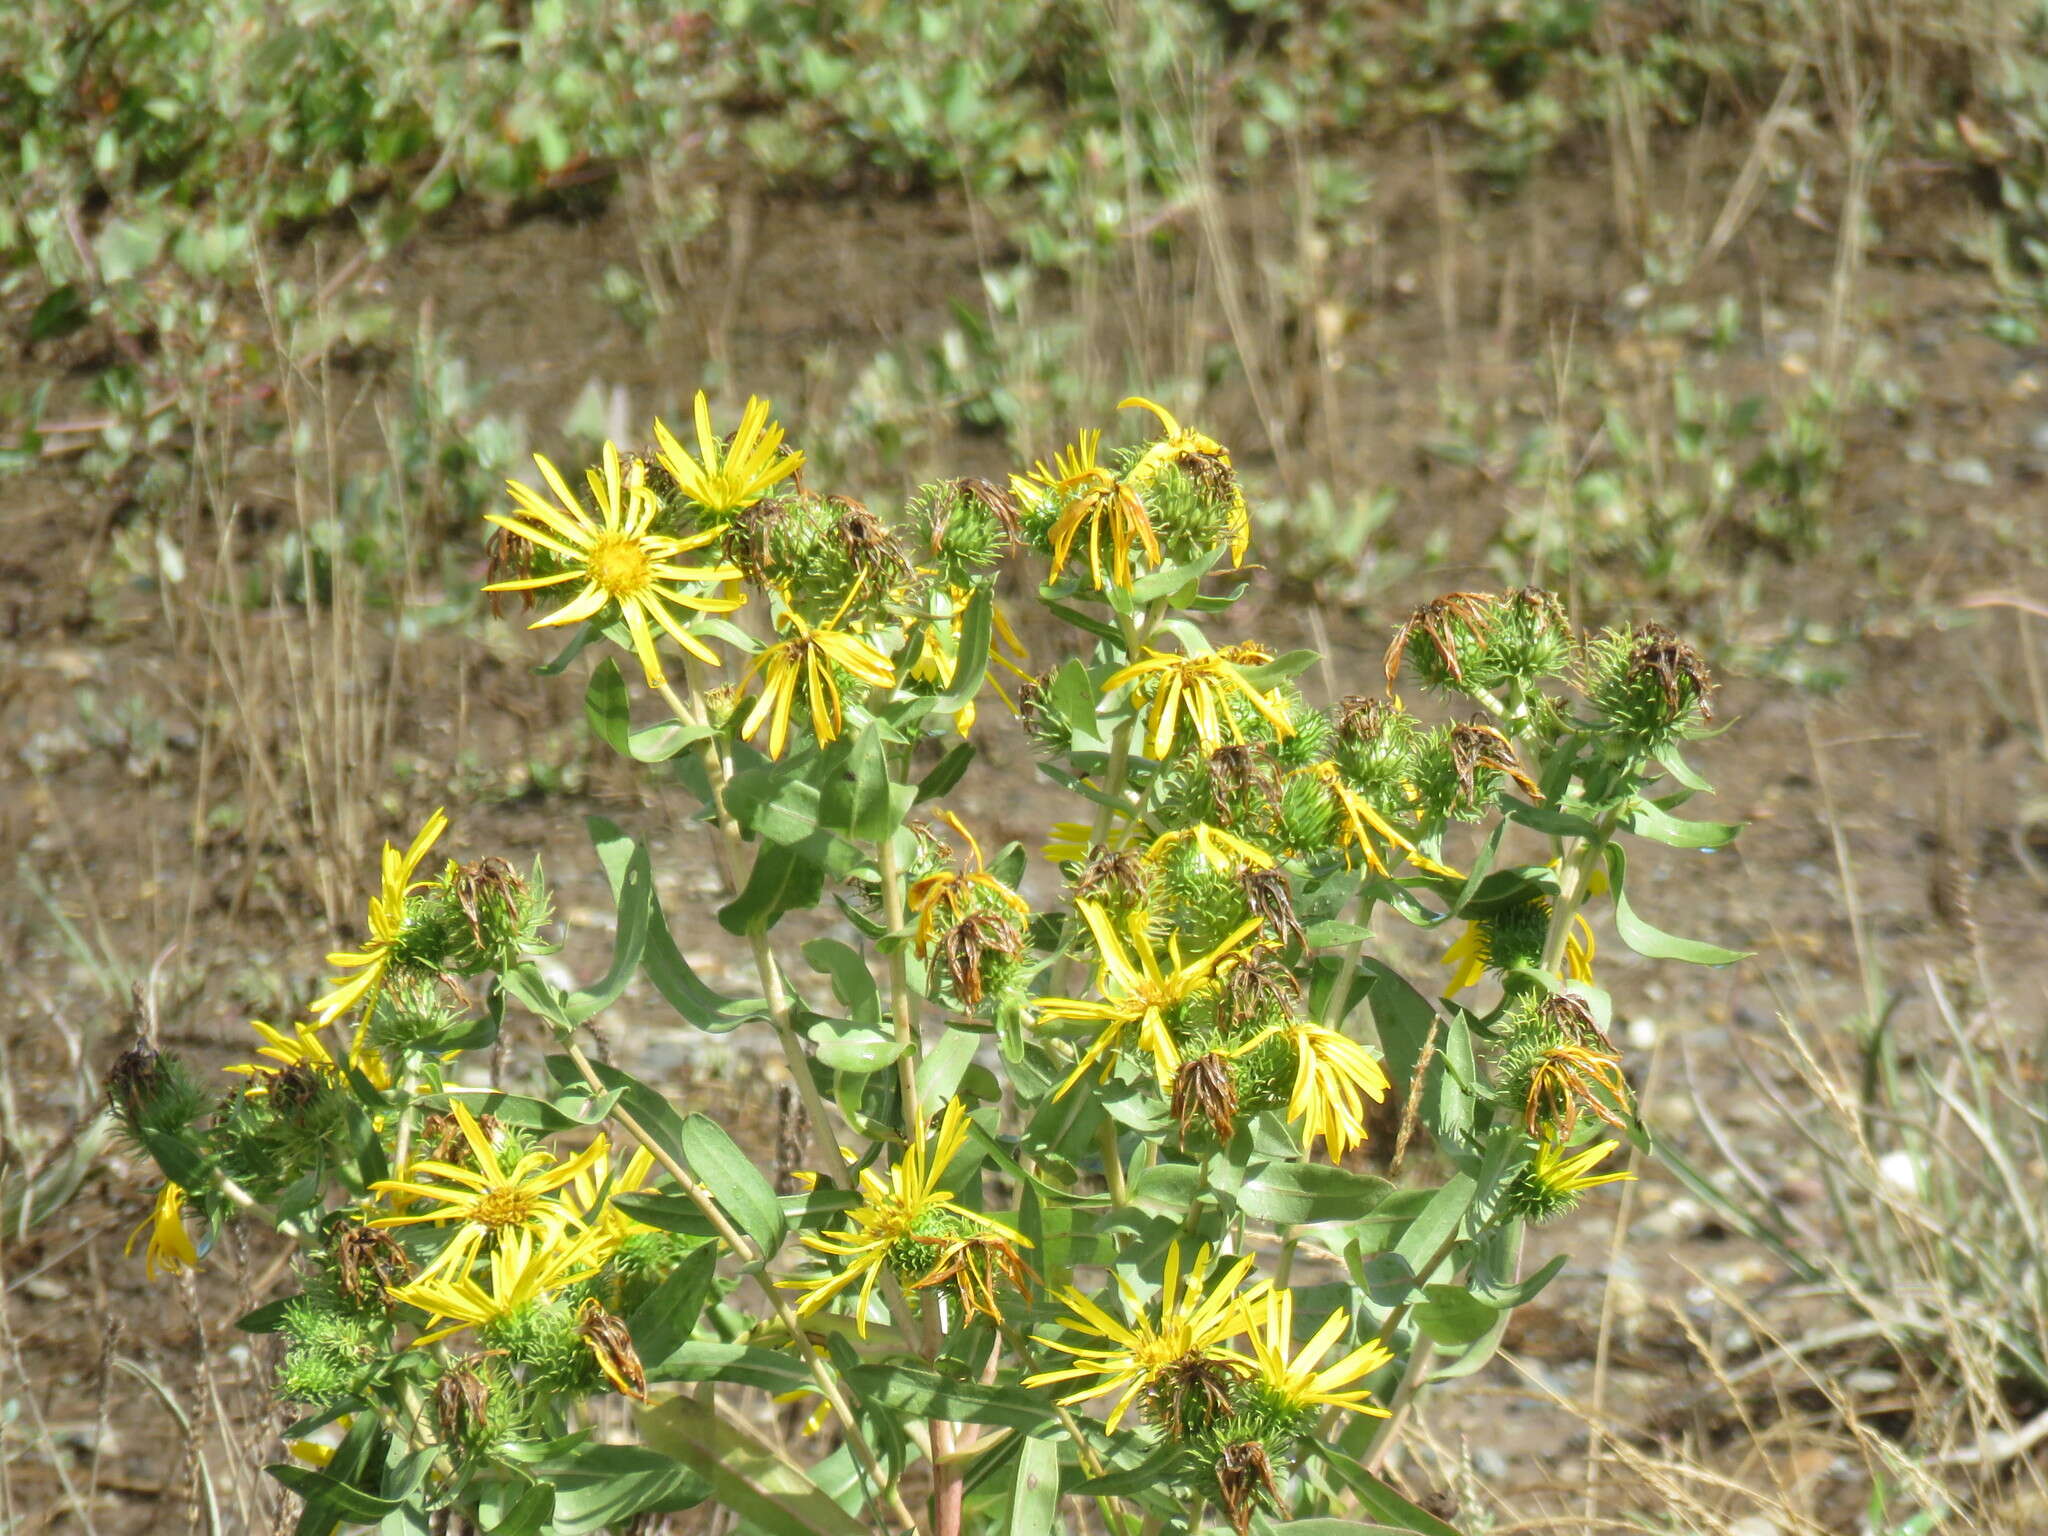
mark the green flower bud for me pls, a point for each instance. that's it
(1530, 638)
(153, 1091)
(1647, 687)
(1190, 507)
(962, 528)
(1445, 643)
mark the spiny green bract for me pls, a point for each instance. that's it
(1308, 814)
(265, 1141)
(1202, 901)
(917, 1254)
(1264, 1075)
(1374, 748)
(1190, 515)
(961, 528)
(1512, 937)
(1529, 637)
(1311, 736)
(328, 1350)
(1647, 687)
(152, 1091)
(541, 1337)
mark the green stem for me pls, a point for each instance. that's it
(833, 1164)
(1573, 885)
(902, 1000)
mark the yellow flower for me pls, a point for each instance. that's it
(1197, 690)
(1333, 1077)
(1092, 498)
(1293, 1378)
(723, 479)
(938, 659)
(488, 1201)
(303, 1047)
(1138, 992)
(1559, 1176)
(1361, 826)
(953, 892)
(1471, 952)
(170, 1246)
(906, 1220)
(593, 1189)
(1178, 443)
(524, 1267)
(387, 926)
(803, 666)
(1195, 1322)
(619, 560)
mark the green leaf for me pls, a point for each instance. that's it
(970, 657)
(939, 1073)
(922, 1393)
(1674, 763)
(873, 809)
(1651, 942)
(1290, 1194)
(663, 1323)
(852, 982)
(595, 1485)
(746, 1474)
(651, 1110)
(62, 311)
(1435, 1223)
(734, 1182)
(124, 247)
(772, 1370)
(608, 708)
(1280, 669)
(781, 881)
(1647, 820)
(1327, 935)
(1035, 1489)
(1375, 1497)
(1452, 1316)
(329, 1500)
(1162, 1466)
(850, 1047)
(945, 773)
(1333, 1528)
(631, 878)
(801, 804)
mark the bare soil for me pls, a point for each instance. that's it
(1897, 808)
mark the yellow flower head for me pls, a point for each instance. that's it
(170, 1246)
(1333, 1077)
(488, 1202)
(949, 895)
(1196, 690)
(1292, 1377)
(387, 926)
(1092, 499)
(1138, 991)
(804, 667)
(525, 1267)
(1361, 827)
(1180, 443)
(303, 1047)
(908, 1224)
(1481, 947)
(724, 478)
(596, 1185)
(1196, 1320)
(619, 559)
(1553, 1180)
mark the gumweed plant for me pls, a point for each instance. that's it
(1126, 1184)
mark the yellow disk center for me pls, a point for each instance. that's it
(500, 1208)
(619, 565)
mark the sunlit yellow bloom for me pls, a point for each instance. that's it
(1333, 1077)
(953, 893)
(170, 1246)
(1220, 849)
(1195, 1323)
(1471, 952)
(723, 479)
(937, 641)
(1362, 827)
(1138, 991)
(487, 1201)
(1292, 1376)
(1179, 442)
(387, 926)
(524, 1267)
(1563, 1176)
(1195, 690)
(802, 667)
(593, 1201)
(1092, 498)
(1071, 842)
(303, 1047)
(618, 558)
(906, 1212)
